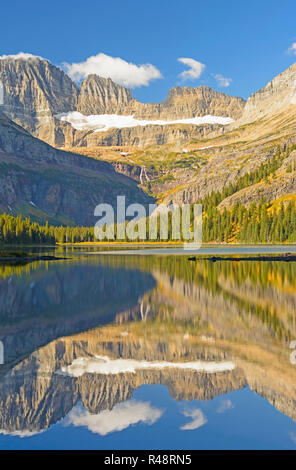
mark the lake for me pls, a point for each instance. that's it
(110, 349)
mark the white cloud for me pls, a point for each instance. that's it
(121, 72)
(198, 419)
(104, 122)
(292, 49)
(224, 406)
(195, 69)
(222, 81)
(105, 365)
(120, 417)
(21, 55)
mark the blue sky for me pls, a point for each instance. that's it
(245, 41)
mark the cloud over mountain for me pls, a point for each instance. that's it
(120, 71)
(222, 81)
(195, 68)
(292, 49)
(21, 55)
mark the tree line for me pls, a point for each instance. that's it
(258, 223)
(22, 230)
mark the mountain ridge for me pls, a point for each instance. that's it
(184, 162)
(35, 92)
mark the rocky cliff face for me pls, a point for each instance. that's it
(139, 136)
(102, 96)
(36, 91)
(99, 95)
(186, 102)
(275, 97)
(227, 153)
(46, 183)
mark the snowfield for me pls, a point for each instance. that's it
(104, 122)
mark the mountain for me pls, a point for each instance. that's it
(268, 123)
(277, 96)
(177, 162)
(36, 94)
(34, 91)
(49, 184)
(98, 95)
(218, 160)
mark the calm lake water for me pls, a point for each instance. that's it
(114, 350)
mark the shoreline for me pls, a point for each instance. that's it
(26, 259)
(171, 244)
(287, 257)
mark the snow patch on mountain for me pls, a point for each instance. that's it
(104, 122)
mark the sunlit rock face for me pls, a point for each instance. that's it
(99, 95)
(277, 96)
(35, 92)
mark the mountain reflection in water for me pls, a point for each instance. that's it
(84, 338)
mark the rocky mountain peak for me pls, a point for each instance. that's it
(186, 90)
(34, 91)
(277, 96)
(98, 95)
(203, 100)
